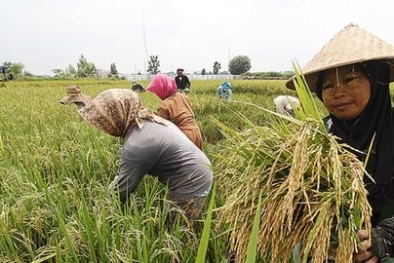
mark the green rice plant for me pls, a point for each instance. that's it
(251, 254)
(312, 187)
(56, 170)
(203, 246)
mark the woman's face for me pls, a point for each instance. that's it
(345, 91)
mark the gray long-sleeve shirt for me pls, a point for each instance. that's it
(163, 151)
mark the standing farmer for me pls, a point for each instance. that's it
(182, 81)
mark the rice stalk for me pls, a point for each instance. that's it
(252, 245)
(203, 246)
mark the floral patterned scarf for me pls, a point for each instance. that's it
(115, 111)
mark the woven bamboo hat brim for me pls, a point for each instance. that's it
(74, 94)
(351, 45)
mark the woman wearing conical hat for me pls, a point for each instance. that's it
(154, 146)
(351, 75)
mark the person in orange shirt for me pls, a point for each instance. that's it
(176, 107)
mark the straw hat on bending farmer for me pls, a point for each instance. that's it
(152, 145)
(75, 96)
(351, 75)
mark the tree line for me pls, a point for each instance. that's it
(239, 65)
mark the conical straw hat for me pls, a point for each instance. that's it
(351, 45)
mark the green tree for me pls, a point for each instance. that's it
(216, 67)
(59, 73)
(14, 70)
(27, 74)
(239, 65)
(85, 69)
(203, 71)
(70, 71)
(113, 71)
(7, 64)
(153, 65)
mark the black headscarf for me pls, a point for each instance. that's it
(358, 133)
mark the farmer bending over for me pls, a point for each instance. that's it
(75, 95)
(285, 105)
(152, 145)
(137, 87)
(224, 91)
(176, 107)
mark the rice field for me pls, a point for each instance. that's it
(55, 170)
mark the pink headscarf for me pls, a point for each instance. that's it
(163, 86)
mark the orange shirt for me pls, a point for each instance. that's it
(178, 109)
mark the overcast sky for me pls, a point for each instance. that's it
(52, 34)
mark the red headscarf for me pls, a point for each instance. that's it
(163, 86)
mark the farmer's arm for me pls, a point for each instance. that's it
(364, 253)
(383, 238)
(162, 112)
(134, 165)
(381, 244)
(188, 84)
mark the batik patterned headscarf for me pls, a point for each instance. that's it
(115, 111)
(163, 86)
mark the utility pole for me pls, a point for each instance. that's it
(229, 57)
